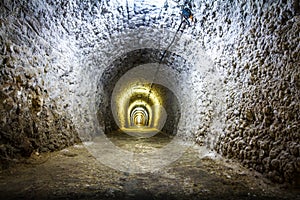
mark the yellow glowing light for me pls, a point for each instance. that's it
(136, 104)
(139, 119)
(141, 92)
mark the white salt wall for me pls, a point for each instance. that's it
(241, 75)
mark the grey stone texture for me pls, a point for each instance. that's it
(54, 53)
(34, 82)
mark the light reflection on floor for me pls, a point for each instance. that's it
(138, 140)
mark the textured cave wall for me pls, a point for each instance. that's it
(261, 62)
(54, 53)
(257, 46)
(35, 80)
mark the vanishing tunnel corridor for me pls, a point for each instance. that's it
(135, 97)
(149, 99)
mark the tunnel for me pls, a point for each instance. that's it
(149, 99)
(131, 92)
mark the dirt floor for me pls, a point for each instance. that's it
(73, 173)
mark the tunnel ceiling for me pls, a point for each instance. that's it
(236, 70)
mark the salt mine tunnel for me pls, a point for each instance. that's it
(149, 99)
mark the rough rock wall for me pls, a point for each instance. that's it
(256, 46)
(34, 81)
(51, 52)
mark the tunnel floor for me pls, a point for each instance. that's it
(73, 173)
(139, 140)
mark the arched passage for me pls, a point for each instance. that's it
(158, 106)
(139, 116)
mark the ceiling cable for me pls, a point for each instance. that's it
(185, 16)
